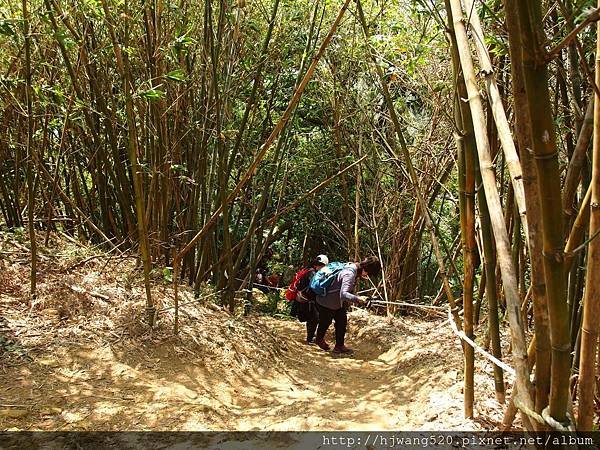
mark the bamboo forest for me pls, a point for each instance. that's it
(299, 215)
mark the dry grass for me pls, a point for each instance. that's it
(82, 356)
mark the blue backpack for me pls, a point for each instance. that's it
(324, 277)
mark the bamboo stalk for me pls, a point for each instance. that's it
(466, 185)
(489, 261)
(30, 150)
(578, 230)
(383, 270)
(499, 114)
(530, 183)
(337, 144)
(470, 249)
(511, 410)
(546, 160)
(357, 189)
(491, 193)
(577, 161)
(591, 302)
(407, 266)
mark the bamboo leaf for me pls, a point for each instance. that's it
(585, 14)
(176, 75)
(178, 168)
(6, 28)
(168, 274)
(253, 26)
(152, 94)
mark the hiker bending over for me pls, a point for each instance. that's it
(332, 305)
(304, 307)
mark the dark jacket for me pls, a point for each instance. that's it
(303, 307)
(303, 286)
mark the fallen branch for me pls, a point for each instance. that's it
(81, 290)
(90, 258)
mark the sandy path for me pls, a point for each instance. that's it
(408, 385)
(367, 390)
(74, 361)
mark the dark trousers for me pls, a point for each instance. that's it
(307, 312)
(312, 320)
(326, 316)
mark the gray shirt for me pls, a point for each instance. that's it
(341, 288)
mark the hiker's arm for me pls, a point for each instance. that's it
(348, 280)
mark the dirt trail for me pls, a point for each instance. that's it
(80, 358)
(376, 388)
(405, 379)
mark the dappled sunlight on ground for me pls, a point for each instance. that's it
(81, 358)
(113, 388)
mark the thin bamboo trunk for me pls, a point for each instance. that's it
(466, 186)
(227, 278)
(591, 302)
(470, 249)
(499, 113)
(491, 292)
(503, 247)
(538, 283)
(576, 162)
(357, 190)
(407, 264)
(346, 202)
(29, 150)
(383, 269)
(467, 167)
(511, 410)
(578, 230)
(124, 71)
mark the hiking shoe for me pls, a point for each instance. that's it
(310, 341)
(322, 344)
(342, 349)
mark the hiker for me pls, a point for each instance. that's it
(332, 306)
(304, 307)
(260, 280)
(263, 278)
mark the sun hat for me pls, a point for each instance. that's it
(323, 259)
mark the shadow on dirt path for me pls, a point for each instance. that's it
(403, 375)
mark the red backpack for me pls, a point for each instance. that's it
(292, 292)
